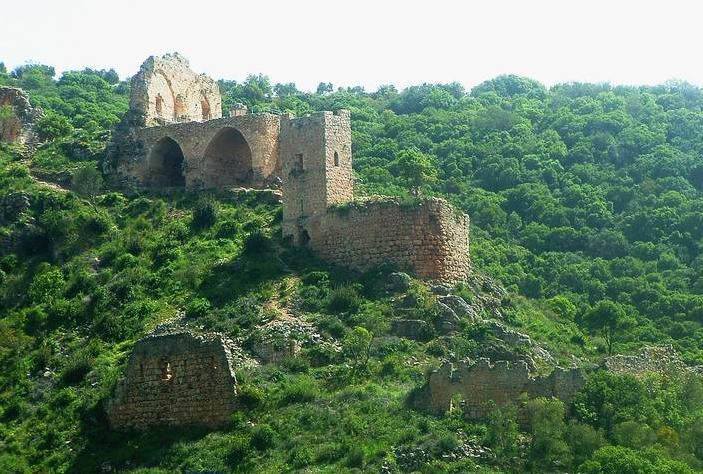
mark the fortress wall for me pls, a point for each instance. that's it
(132, 148)
(480, 386)
(175, 379)
(429, 238)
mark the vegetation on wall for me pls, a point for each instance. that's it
(585, 203)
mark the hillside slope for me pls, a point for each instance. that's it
(585, 200)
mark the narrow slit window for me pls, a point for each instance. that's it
(166, 370)
(336, 159)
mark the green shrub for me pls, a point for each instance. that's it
(227, 229)
(204, 214)
(250, 397)
(344, 298)
(355, 458)
(76, 369)
(197, 308)
(300, 390)
(263, 437)
(257, 242)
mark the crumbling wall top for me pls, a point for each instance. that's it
(166, 90)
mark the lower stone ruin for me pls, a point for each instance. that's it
(175, 379)
(480, 386)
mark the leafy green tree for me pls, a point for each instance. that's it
(609, 319)
(87, 182)
(548, 448)
(324, 88)
(503, 433)
(416, 170)
(356, 345)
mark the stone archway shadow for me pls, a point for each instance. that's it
(166, 163)
(227, 159)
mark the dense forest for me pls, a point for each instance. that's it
(586, 204)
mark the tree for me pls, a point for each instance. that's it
(324, 88)
(356, 345)
(503, 433)
(607, 318)
(284, 90)
(416, 170)
(87, 182)
(547, 425)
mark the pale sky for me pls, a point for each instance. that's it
(367, 42)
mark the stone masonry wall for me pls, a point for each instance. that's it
(131, 160)
(166, 90)
(339, 177)
(175, 379)
(430, 238)
(477, 385)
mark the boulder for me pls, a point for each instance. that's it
(398, 282)
(416, 329)
(442, 290)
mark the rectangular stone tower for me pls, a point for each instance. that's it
(316, 158)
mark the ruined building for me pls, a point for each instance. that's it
(175, 379)
(17, 117)
(480, 386)
(174, 136)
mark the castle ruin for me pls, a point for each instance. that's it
(174, 136)
(478, 387)
(175, 379)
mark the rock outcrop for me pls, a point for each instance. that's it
(17, 117)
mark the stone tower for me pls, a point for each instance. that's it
(316, 160)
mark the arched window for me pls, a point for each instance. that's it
(336, 159)
(179, 107)
(159, 104)
(205, 107)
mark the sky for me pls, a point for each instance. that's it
(367, 42)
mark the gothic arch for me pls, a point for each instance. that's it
(166, 162)
(227, 159)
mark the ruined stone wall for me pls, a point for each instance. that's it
(17, 117)
(175, 379)
(430, 237)
(166, 90)
(480, 385)
(133, 154)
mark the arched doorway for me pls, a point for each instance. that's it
(227, 159)
(166, 164)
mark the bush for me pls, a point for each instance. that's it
(76, 370)
(197, 308)
(263, 437)
(250, 397)
(227, 229)
(204, 214)
(344, 298)
(257, 242)
(301, 390)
